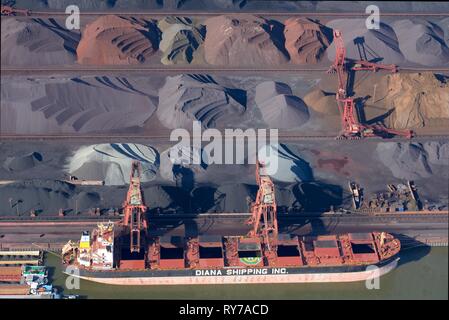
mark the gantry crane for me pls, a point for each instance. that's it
(263, 218)
(351, 126)
(10, 11)
(134, 209)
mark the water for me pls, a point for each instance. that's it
(422, 274)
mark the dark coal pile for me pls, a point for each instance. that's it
(405, 160)
(20, 163)
(235, 197)
(318, 196)
(437, 152)
(166, 199)
(45, 198)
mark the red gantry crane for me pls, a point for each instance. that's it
(351, 127)
(134, 209)
(263, 215)
(10, 11)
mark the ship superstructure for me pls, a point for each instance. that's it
(94, 251)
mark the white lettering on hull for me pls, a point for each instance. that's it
(241, 272)
(208, 273)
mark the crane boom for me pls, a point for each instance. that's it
(134, 209)
(263, 218)
(339, 64)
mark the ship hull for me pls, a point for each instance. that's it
(240, 275)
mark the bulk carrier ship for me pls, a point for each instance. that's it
(123, 253)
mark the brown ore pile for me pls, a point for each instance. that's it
(417, 98)
(306, 40)
(115, 40)
(247, 41)
(322, 102)
(401, 100)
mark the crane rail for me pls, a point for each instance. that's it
(12, 221)
(166, 137)
(233, 13)
(6, 70)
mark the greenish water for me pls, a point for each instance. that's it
(422, 274)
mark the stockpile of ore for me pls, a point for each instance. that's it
(186, 98)
(165, 198)
(181, 163)
(413, 160)
(222, 40)
(116, 40)
(418, 41)
(22, 162)
(405, 160)
(427, 45)
(322, 102)
(45, 197)
(437, 152)
(288, 167)
(279, 107)
(181, 38)
(234, 197)
(243, 41)
(367, 44)
(88, 104)
(416, 98)
(112, 162)
(306, 40)
(37, 42)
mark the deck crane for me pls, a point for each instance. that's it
(351, 126)
(134, 209)
(10, 11)
(263, 218)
